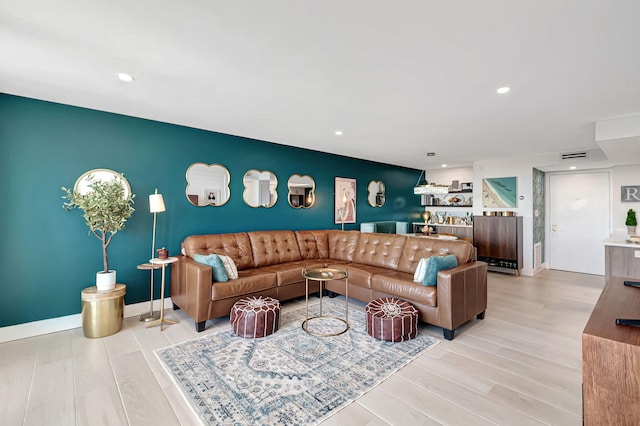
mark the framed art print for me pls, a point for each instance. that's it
(345, 200)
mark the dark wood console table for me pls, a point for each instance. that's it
(611, 358)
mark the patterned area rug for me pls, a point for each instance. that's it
(289, 377)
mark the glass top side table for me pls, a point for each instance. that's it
(322, 275)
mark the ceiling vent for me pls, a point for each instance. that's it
(574, 155)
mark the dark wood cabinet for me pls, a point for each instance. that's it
(498, 240)
(611, 358)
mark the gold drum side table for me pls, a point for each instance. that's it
(102, 311)
(322, 275)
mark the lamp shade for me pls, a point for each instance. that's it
(156, 203)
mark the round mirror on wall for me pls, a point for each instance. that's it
(82, 184)
(302, 191)
(376, 195)
(260, 188)
(207, 184)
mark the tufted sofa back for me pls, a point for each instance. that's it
(382, 250)
(416, 248)
(313, 244)
(236, 246)
(342, 244)
(273, 247)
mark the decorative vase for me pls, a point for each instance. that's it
(631, 230)
(106, 281)
(163, 253)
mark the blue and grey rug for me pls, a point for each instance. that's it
(289, 377)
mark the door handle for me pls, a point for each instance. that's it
(554, 227)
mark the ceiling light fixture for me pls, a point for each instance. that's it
(424, 187)
(338, 132)
(123, 76)
(503, 90)
(444, 165)
(572, 168)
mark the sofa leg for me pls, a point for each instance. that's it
(480, 315)
(176, 307)
(200, 326)
(448, 334)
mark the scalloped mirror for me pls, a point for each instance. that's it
(302, 191)
(260, 188)
(82, 183)
(376, 195)
(207, 184)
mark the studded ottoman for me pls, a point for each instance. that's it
(253, 317)
(391, 319)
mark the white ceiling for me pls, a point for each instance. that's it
(399, 78)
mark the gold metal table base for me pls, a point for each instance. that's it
(162, 320)
(305, 328)
(149, 316)
(322, 275)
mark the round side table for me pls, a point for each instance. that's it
(102, 311)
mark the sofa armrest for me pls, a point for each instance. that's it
(461, 294)
(191, 287)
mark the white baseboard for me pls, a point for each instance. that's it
(54, 325)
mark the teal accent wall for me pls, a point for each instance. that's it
(47, 255)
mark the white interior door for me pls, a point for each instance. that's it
(579, 221)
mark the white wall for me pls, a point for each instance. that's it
(446, 175)
(522, 169)
(622, 176)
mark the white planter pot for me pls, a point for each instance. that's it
(631, 230)
(106, 280)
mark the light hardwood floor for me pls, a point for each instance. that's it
(521, 365)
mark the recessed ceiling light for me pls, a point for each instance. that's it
(123, 76)
(444, 165)
(503, 90)
(338, 132)
(572, 168)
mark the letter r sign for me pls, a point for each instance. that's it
(630, 194)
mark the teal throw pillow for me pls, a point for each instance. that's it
(437, 264)
(219, 273)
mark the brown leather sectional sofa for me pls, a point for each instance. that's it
(270, 263)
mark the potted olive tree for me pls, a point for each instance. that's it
(106, 207)
(631, 222)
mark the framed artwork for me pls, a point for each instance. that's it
(345, 200)
(499, 192)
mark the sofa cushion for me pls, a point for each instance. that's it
(237, 246)
(274, 247)
(249, 281)
(342, 244)
(416, 248)
(381, 250)
(291, 272)
(401, 285)
(421, 270)
(359, 275)
(437, 264)
(229, 266)
(213, 260)
(313, 244)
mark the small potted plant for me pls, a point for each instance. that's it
(631, 222)
(106, 208)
